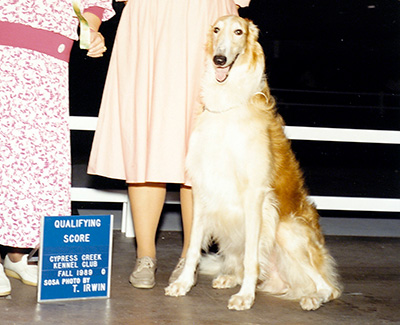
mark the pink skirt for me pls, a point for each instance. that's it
(152, 89)
(35, 168)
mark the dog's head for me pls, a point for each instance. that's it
(232, 40)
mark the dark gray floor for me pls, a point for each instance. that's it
(370, 269)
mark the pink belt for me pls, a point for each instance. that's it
(18, 35)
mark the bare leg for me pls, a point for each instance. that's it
(147, 201)
(15, 254)
(15, 257)
(187, 216)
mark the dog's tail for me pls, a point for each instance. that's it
(262, 100)
(211, 264)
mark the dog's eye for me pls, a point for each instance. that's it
(238, 32)
(216, 30)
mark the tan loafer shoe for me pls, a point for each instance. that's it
(177, 270)
(143, 275)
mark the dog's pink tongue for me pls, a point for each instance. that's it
(221, 73)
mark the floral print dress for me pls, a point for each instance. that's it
(35, 168)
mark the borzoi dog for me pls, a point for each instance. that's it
(248, 190)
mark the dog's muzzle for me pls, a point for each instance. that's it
(221, 71)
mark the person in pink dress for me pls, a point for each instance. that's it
(150, 98)
(35, 169)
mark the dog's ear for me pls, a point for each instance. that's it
(209, 43)
(253, 30)
(253, 49)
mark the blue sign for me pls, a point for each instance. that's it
(75, 257)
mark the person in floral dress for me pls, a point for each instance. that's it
(35, 169)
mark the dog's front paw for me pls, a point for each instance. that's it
(312, 302)
(239, 302)
(225, 282)
(177, 289)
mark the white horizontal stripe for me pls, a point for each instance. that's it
(356, 203)
(342, 135)
(83, 123)
(83, 194)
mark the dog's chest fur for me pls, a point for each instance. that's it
(224, 148)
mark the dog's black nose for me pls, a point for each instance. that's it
(219, 60)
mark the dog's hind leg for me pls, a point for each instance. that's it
(257, 203)
(232, 271)
(321, 295)
(186, 280)
(307, 266)
(225, 281)
(270, 279)
(325, 280)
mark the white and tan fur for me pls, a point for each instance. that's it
(249, 194)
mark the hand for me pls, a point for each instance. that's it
(97, 45)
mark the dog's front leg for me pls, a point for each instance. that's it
(254, 206)
(244, 299)
(186, 280)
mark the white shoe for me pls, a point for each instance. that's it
(5, 286)
(21, 270)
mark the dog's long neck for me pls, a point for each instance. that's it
(243, 82)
